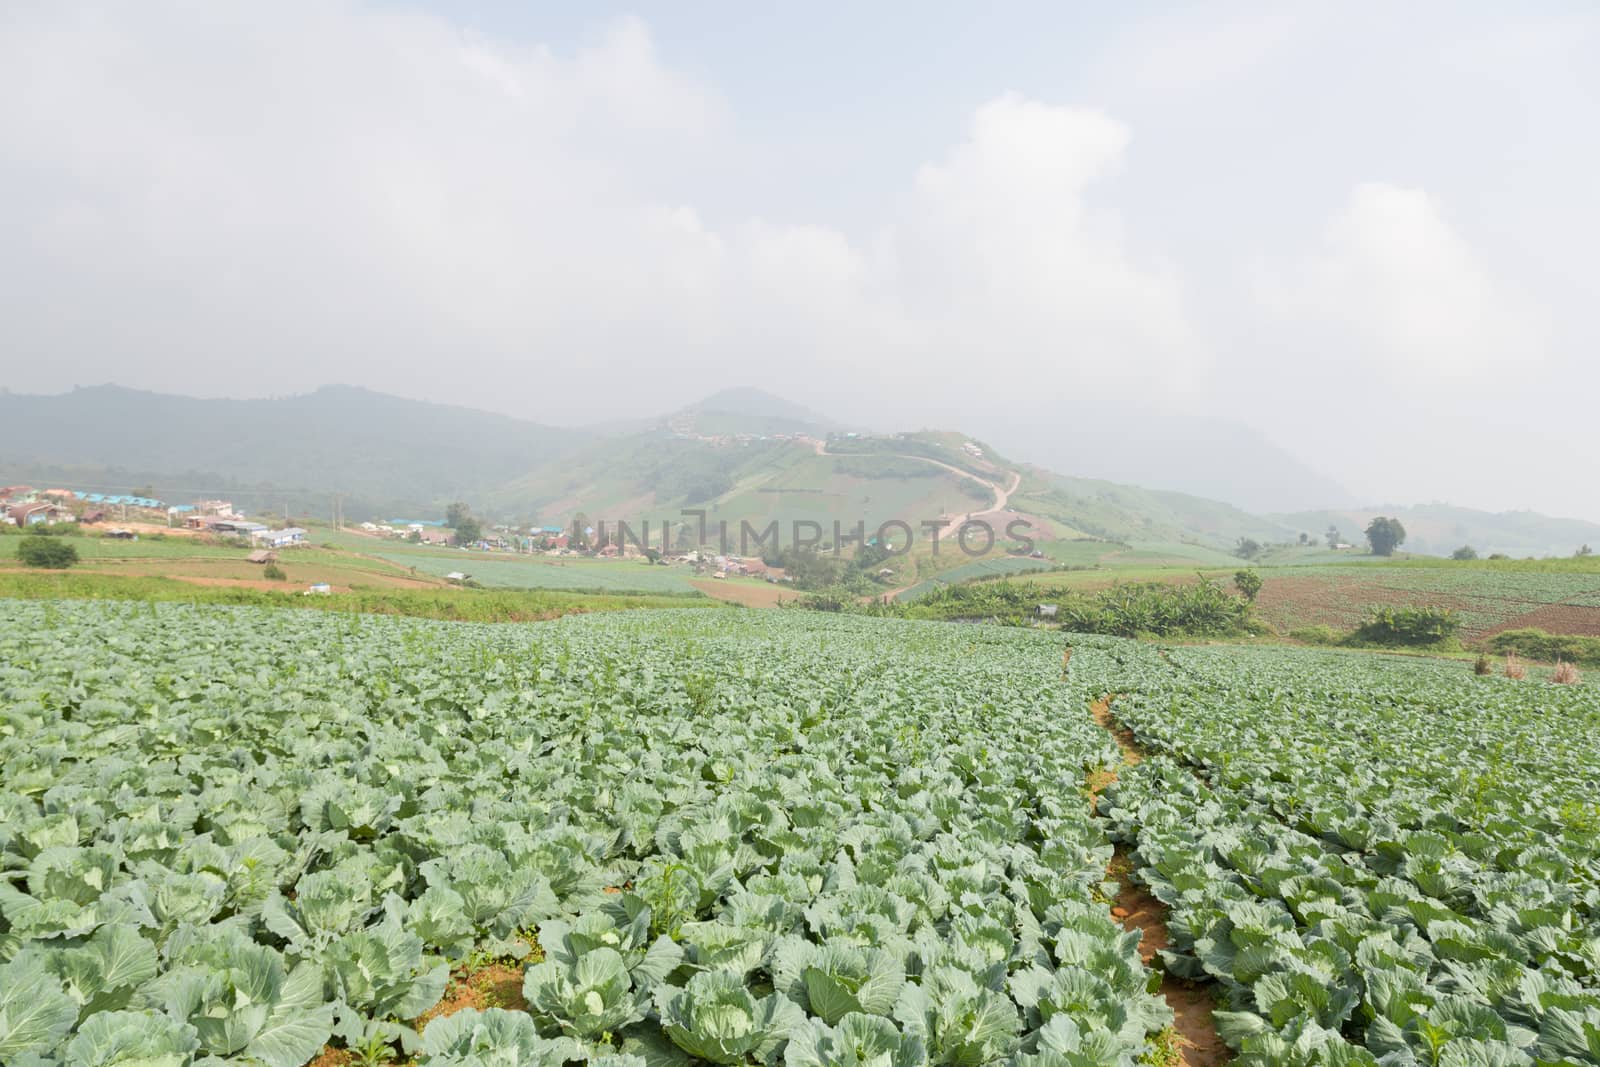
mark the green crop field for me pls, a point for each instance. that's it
(997, 567)
(543, 572)
(681, 837)
(1368, 859)
(149, 547)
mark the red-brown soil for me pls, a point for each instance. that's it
(1557, 619)
(1137, 909)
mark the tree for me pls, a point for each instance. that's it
(456, 513)
(468, 530)
(1465, 552)
(1305, 538)
(1335, 539)
(146, 491)
(1385, 535)
(1248, 583)
(1584, 550)
(36, 550)
(1247, 549)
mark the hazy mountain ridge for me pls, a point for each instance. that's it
(739, 453)
(386, 452)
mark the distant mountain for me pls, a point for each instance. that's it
(750, 411)
(389, 454)
(741, 454)
(1202, 456)
(1439, 529)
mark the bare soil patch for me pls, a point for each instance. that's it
(1137, 909)
(1131, 754)
(494, 985)
(249, 583)
(332, 1057)
(1556, 619)
(1191, 1003)
(748, 594)
(1292, 602)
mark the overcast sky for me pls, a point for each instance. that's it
(1368, 230)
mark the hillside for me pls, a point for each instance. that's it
(1090, 507)
(656, 474)
(389, 454)
(1439, 529)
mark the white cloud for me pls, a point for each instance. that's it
(234, 199)
(1000, 250)
(359, 193)
(1396, 288)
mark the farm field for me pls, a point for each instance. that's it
(279, 826)
(205, 564)
(1489, 597)
(777, 837)
(1559, 596)
(444, 602)
(1368, 858)
(504, 571)
(995, 567)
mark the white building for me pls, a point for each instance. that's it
(287, 537)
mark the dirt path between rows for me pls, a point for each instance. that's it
(1137, 909)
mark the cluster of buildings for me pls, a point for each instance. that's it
(427, 531)
(23, 505)
(219, 517)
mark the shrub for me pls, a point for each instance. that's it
(1318, 635)
(1482, 666)
(1539, 645)
(273, 572)
(1202, 609)
(1408, 626)
(1465, 552)
(1248, 583)
(1566, 674)
(52, 552)
(1514, 668)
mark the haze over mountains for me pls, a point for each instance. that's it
(1202, 480)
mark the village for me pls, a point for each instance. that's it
(129, 516)
(25, 506)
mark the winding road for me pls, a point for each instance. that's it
(1002, 494)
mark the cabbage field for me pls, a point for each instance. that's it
(245, 836)
(1371, 857)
